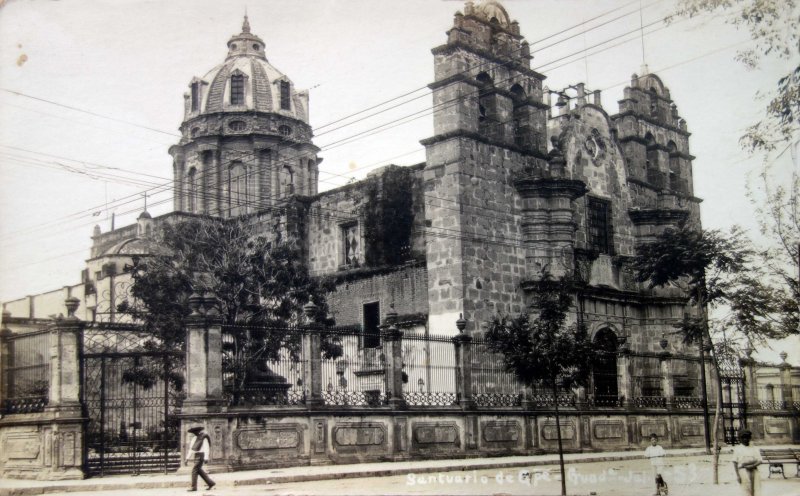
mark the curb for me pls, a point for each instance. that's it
(283, 479)
(354, 474)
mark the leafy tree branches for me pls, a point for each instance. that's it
(774, 27)
(542, 347)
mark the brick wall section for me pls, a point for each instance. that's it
(406, 288)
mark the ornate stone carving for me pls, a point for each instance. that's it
(501, 432)
(435, 433)
(268, 438)
(550, 433)
(359, 434)
(611, 429)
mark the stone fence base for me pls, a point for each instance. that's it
(42, 446)
(266, 439)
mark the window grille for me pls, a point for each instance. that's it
(285, 104)
(600, 234)
(237, 90)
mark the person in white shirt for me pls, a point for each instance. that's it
(656, 455)
(199, 451)
(746, 459)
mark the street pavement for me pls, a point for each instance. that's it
(687, 474)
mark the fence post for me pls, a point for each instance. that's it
(463, 350)
(64, 404)
(625, 374)
(394, 365)
(751, 399)
(5, 359)
(312, 347)
(667, 379)
(203, 356)
(786, 381)
(65, 350)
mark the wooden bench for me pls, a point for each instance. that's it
(777, 457)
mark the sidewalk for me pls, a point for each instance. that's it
(13, 487)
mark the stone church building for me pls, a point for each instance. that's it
(519, 180)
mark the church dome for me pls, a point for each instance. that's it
(245, 81)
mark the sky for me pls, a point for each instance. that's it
(91, 98)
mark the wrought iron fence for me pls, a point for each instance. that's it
(429, 370)
(648, 391)
(27, 372)
(263, 365)
(354, 374)
(132, 391)
(492, 385)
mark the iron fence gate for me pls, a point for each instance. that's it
(131, 399)
(734, 406)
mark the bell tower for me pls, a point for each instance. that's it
(489, 127)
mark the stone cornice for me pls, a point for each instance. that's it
(477, 137)
(550, 187)
(511, 63)
(657, 216)
(637, 115)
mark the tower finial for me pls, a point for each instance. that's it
(246, 23)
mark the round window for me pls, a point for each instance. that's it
(194, 131)
(285, 130)
(237, 125)
(256, 47)
(233, 46)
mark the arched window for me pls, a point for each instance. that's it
(604, 369)
(287, 181)
(653, 103)
(523, 134)
(285, 102)
(238, 188)
(652, 172)
(311, 177)
(195, 97)
(486, 103)
(237, 89)
(675, 183)
(192, 187)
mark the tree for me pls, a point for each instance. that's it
(715, 269)
(774, 27)
(779, 223)
(542, 349)
(256, 283)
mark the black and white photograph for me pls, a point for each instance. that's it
(417, 247)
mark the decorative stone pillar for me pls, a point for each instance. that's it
(203, 357)
(785, 381)
(667, 379)
(312, 346)
(463, 349)
(755, 422)
(625, 374)
(66, 343)
(394, 362)
(65, 445)
(548, 226)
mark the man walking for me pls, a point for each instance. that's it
(199, 451)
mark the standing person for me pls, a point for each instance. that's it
(656, 455)
(199, 451)
(746, 459)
